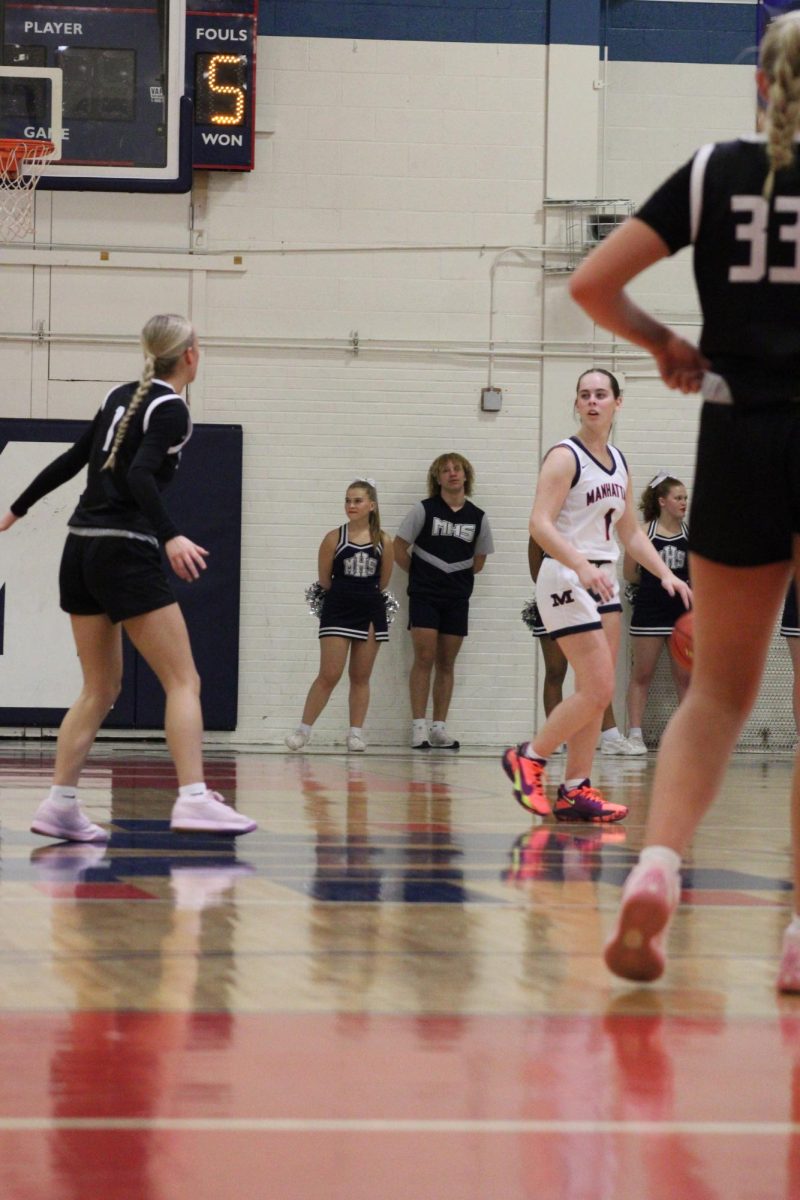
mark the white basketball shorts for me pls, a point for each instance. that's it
(567, 607)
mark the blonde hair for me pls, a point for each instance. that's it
(164, 339)
(434, 487)
(375, 532)
(779, 59)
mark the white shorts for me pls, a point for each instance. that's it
(565, 606)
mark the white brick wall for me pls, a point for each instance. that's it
(384, 160)
(382, 144)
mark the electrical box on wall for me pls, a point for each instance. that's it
(491, 399)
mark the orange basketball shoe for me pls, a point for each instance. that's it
(635, 949)
(585, 803)
(527, 778)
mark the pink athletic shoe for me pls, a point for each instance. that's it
(585, 803)
(635, 949)
(208, 814)
(66, 824)
(789, 971)
(527, 778)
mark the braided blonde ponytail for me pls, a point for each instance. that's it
(779, 59)
(164, 339)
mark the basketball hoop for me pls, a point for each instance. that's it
(21, 163)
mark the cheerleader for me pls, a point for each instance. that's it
(355, 564)
(663, 505)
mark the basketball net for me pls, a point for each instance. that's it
(21, 162)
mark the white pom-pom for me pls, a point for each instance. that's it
(315, 597)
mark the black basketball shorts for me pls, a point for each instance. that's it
(120, 576)
(746, 495)
(448, 615)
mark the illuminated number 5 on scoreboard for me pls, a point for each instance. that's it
(221, 80)
(220, 95)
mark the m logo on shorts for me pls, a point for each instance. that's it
(565, 598)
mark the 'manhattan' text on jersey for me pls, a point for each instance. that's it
(594, 503)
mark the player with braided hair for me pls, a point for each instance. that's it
(738, 204)
(111, 578)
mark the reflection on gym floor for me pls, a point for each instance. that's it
(393, 988)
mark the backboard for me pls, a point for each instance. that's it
(122, 123)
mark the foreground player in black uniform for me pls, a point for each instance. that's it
(738, 204)
(442, 543)
(111, 578)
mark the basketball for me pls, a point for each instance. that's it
(681, 640)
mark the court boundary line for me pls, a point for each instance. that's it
(390, 1125)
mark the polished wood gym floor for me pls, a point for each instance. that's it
(392, 991)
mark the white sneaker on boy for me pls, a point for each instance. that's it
(616, 744)
(636, 744)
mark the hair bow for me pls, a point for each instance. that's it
(658, 478)
(366, 479)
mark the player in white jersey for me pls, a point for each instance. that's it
(594, 504)
(581, 498)
(738, 205)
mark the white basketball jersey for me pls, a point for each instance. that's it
(594, 503)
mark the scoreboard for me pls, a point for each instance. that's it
(220, 78)
(150, 90)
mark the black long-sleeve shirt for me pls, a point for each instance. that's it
(128, 496)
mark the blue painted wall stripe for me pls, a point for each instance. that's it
(575, 23)
(634, 30)
(517, 21)
(640, 31)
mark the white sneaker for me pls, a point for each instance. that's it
(617, 745)
(298, 739)
(442, 741)
(636, 744)
(355, 743)
(66, 824)
(208, 814)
